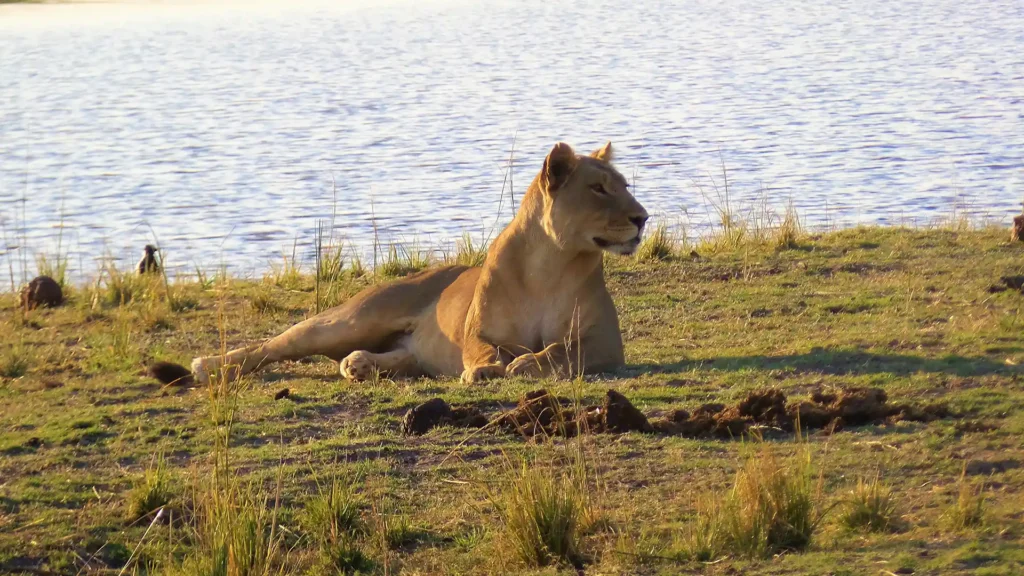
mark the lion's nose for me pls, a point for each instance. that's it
(639, 221)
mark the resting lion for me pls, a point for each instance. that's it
(537, 307)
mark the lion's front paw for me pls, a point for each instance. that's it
(200, 371)
(481, 373)
(527, 365)
(358, 366)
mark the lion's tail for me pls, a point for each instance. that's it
(171, 374)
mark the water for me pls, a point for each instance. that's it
(228, 130)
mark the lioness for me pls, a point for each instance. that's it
(538, 306)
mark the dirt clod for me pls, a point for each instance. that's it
(810, 415)
(42, 291)
(422, 418)
(171, 374)
(538, 412)
(468, 417)
(542, 413)
(679, 415)
(709, 409)
(859, 406)
(621, 416)
(765, 407)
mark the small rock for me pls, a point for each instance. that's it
(282, 393)
(621, 416)
(425, 416)
(42, 291)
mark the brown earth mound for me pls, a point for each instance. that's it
(542, 413)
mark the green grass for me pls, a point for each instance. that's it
(14, 363)
(892, 308)
(152, 491)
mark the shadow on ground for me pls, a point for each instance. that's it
(838, 362)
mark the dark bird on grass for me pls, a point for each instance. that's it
(42, 291)
(149, 264)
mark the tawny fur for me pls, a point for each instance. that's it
(538, 305)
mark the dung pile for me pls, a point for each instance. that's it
(542, 413)
(437, 412)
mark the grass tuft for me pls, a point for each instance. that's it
(467, 253)
(151, 492)
(288, 273)
(15, 361)
(543, 512)
(56, 268)
(871, 506)
(660, 244)
(333, 521)
(402, 261)
(771, 508)
(787, 235)
(968, 509)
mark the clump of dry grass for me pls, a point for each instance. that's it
(773, 507)
(545, 510)
(288, 273)
(788, 233)
(659, 244)
(542, 511)
(968, 508)
(262, 301)
(870, 506)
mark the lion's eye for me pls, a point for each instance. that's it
(599, 189)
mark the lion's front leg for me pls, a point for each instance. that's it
(480, 360)
(553, 360)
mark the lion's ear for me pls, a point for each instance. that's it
(559, 164)
(603, 153)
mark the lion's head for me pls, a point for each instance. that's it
(587, 206)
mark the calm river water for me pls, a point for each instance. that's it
(230, 129)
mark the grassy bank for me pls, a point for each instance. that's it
(101, 467)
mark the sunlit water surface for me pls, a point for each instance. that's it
(229, 130)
